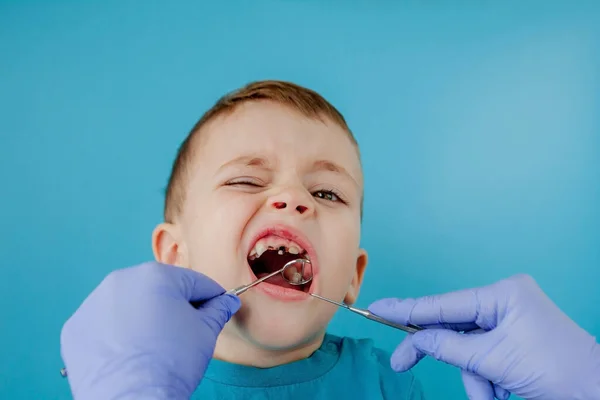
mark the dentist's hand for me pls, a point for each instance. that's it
(137, 335)
(516, 341)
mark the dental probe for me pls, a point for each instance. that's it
(410, 328)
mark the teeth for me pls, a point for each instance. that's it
(275, 243)
(252, 254)
(260, 249)
(297, 277)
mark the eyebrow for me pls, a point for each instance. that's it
(325, 165)
(247, 161)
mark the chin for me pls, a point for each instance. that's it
(281, 338)
(279, 327)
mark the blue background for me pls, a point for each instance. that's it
(479, 127)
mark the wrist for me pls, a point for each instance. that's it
(591, 386)
(136, 392)
(132, 379)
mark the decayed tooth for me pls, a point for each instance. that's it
(293, 250)
(297, 277)
(272, 242)
(281, 246)
(260, 249)
(289, 273)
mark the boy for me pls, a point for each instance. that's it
(269, 174)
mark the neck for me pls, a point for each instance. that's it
(233, 348)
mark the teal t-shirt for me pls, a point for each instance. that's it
(342, 368)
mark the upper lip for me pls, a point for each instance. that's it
(289, 233)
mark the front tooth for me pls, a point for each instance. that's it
(260, 249)
(293, 250)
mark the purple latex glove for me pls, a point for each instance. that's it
(137, 335)
(516, 340)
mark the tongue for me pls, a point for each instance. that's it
(279, 281)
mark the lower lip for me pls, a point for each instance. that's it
(282, 293)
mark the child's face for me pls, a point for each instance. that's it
(266, 168)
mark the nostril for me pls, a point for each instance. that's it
(301, 209)
(279, 205)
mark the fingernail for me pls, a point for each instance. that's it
(396, 366)
(398, 363)
(235, 302)
(382, 306)
(424, 341)
(505, 395)
(376, 306)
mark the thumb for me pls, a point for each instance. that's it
(450, 347)
(476, 387)
(194, 285)
(217, 311)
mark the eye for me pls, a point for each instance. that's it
(245, 182)
(329, 195)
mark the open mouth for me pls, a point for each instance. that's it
(271, 253)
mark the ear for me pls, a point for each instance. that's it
(361, 266)
(167, 246)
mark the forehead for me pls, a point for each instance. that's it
(280, 134)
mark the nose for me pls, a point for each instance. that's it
(292, 201)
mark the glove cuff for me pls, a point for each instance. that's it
(134, 379)
(591, 385)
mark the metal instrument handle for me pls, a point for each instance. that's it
(410, 328)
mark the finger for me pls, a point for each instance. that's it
(500, 393)
(193, 285)
(456, 327)
(219, 309)
(448, 346)
(427, 312)
(405, 356)
(476, 387)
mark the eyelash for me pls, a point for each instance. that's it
(325, 192)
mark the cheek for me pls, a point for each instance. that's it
(343, 239)
(214, 236)
(338, 263)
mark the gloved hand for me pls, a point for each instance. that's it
(137, 335)
(516, 340)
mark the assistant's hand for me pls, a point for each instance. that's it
(518, 341)
(137, 335)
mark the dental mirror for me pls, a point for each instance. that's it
(296, 272)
